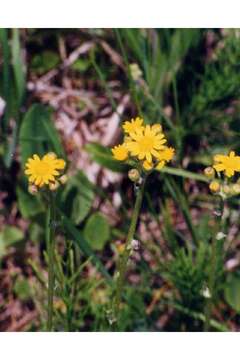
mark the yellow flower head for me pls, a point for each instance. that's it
(214, 186)
(43, 171)
(229, 164)
(146, 143)
(130, 127)
(120, 152)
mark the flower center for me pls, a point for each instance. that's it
(146, 143)
(42, 168)
(230, 163)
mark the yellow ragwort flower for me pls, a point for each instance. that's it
(120, 152)
(146, 143)
(229, 164)
(130, 127)
(43, 171)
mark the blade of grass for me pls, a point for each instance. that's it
(181, 200)
(6, 75)
(76, 235)
(184, 173)
(18, 66)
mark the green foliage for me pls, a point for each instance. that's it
(187, 272)
(38, 134)
(22, 289)
(97, 231)
(77, 197)
(9, 236)
(78, 237)
(14, 73)
(232, 291)
(44, 62)
(18, 67)
(80, 65)
(28, 205)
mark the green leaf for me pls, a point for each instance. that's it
(78, 197)
(18, 66)
(22, 289)
(5, 76)
(232, 291)
(38, 134)
(80, 65)
(103, 156)
(184, 173)
(97, 231)
(8, 237)
(44, 61)
(28, 204)
(78, 237)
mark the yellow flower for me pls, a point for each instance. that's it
(147, 165)
(214, 186)
(166, 154)
(43, 171)
(229, 164)
(120, 152)
(132, 126)
(146, 143)
(160, 165)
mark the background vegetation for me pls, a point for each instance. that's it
(68, 91)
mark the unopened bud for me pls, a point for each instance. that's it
(134, 175)
(214, 186)
(236, 189)
(63, 179)
(226, 189)
(209, 172)
(52, 155)
(32, 189)
(53, 186)
(135, 71)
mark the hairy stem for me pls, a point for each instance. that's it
(122, 266)
(50, 229)
(212, 275)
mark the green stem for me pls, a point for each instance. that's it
(212, 274)
(122, 268)
(50, 229)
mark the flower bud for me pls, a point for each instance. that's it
(134, 175)
(63, 179)
(135, 71)
(235, 189)
(214, 186)
(54, 185)
(226, 189)
(32, 189)
(209, 172)
(52, 155)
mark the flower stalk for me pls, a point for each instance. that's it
(218, 213)
(50, 232)
(122, 266)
